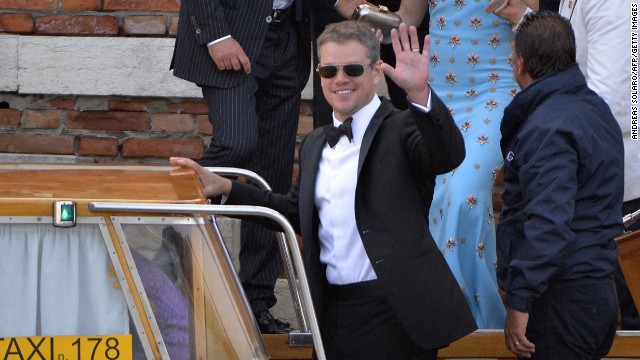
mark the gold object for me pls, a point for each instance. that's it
(379, 17)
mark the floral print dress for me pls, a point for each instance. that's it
(472, 73)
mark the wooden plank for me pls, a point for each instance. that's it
(99, 183)
(629, 260)
(481, 344)
(490, 344)
(278, 348)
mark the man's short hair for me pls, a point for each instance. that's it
(350, 30)
(546, 42)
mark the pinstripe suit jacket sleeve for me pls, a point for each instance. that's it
(325, 4)
(202, 21)
(208, 17)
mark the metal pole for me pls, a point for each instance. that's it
(285, 255)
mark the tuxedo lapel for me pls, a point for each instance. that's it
(383, 111)
(310, 159)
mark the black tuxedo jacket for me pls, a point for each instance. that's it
(400, 156)
(202, 21)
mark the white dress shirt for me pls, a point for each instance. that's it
(282, 4)
(341, 247)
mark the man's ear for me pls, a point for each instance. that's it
(519, 66)
(377, 71)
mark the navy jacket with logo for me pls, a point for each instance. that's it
(563, 188)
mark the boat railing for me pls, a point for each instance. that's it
(285, 253)
(241, 210)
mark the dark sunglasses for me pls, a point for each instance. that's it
(352, 70)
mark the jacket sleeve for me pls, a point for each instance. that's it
(326, 4)
(438, 145)
(287, 205)
(548, 163)
(207, 19)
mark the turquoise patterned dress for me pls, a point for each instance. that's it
(471, 72)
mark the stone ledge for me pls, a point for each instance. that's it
(14, 158)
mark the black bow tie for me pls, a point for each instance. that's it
(334, 133)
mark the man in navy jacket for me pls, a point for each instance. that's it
(563, 181)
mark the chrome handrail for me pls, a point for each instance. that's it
(631, 218)
(282, 243)
(237, 210)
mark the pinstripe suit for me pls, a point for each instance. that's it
(254, 116)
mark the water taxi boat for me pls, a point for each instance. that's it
(106, 262)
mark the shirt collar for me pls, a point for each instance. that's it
(361, 119)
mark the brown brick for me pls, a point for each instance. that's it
(9, 117)
(145, 25)
(296, 151)
(29, 4)
(204, 125)
(81, 4)
(173, 25)
(16, 23)
(100, 146)
(305, 124)
(41, 119)
(144, 5)
(165, 148)
(83, 24)
(126, 105)
(37, 144)
(305, 108)
(173, 123)
(198, 107)
(108, 120)
(58, 103)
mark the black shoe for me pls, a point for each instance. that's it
(270, 325)
(282, 324)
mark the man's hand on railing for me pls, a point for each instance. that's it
(212, 184)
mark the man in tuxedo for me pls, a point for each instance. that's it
(251, 59)
(326, 12)
(380, 286)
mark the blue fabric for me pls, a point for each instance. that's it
(471, 72)
(563, 187)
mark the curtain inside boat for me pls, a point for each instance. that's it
(58, 281)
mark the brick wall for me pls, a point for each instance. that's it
(48, 119)
(90, 17)
(110, 127)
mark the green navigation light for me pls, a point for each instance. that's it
(66, 213)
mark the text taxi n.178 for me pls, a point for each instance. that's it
(104, 347)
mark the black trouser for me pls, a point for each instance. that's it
(358, 323)
(574, 322)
